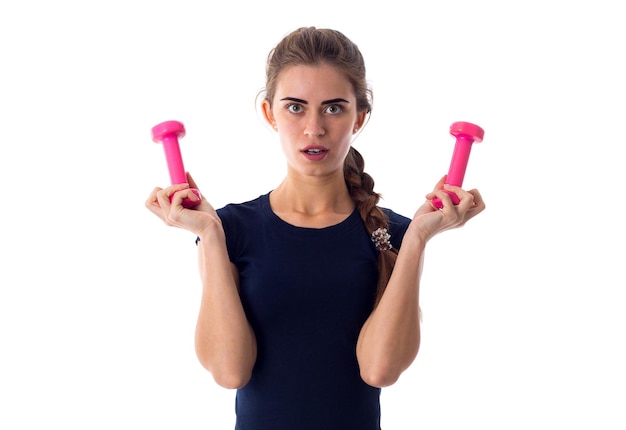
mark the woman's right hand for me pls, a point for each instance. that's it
(174, 214)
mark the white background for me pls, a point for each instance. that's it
(523, 308)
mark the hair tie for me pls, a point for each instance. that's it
(381, 237)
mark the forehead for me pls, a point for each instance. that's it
(311, 83)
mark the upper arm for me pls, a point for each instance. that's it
(235, 272)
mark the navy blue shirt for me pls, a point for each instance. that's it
(307, 293)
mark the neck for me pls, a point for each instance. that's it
(312, 201)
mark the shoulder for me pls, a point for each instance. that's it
(241, 223)
(396, 218)
(239, 219)
(398, 225)
(242, 211)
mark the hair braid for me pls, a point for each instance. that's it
(361, 188)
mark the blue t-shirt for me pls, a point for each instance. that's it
(307, 293)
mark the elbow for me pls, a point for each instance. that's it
(380, 377)
(385, 371)
(227, 375)
(231, 380)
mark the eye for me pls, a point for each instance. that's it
(333, 109)
(294, 108)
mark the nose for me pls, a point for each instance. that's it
(314, 126)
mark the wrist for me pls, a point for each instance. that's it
(415, 237)
(211, 233)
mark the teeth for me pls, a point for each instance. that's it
(314, 151)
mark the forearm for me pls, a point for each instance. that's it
(225, 342)
(390, 338)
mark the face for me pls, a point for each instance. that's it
(314, 111)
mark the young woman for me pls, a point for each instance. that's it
(310, 297)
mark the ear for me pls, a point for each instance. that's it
(268, 114)
(360, 120)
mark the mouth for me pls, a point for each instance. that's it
(314, 151)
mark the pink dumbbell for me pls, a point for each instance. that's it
(168, 133)
(466, 134)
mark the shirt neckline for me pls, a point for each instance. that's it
(344, 224)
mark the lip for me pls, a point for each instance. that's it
(314, 152)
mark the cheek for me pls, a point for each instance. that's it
(287, 132)
(287, 142)
(285, 123)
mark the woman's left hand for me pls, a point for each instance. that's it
(431, 220)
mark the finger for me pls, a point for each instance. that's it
(443, 196)
(426, 207)
(192, 183)
(441, 183)
(478, 207)
(162, 203)
(152, 198)
(466, 199)
(177, 197)
(478, 199)
(153, 203)
(165, 198)
(440, 186)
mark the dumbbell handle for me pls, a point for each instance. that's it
(174, 159)
(460, 157)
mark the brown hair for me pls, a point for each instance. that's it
(310, 46)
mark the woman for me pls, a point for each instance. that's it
(310, 297)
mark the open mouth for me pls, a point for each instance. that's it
(314, 151)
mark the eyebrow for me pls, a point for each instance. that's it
(325, 102)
